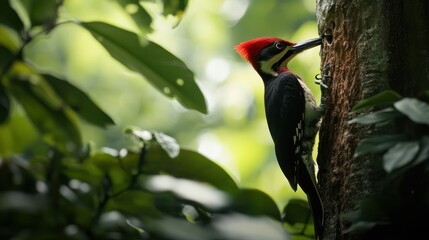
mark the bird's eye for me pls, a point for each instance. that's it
(279, 46)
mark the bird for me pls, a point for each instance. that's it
(292, 113)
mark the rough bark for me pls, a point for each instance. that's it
(376, 45)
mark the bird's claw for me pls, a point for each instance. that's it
(319, 81)
(322, 79)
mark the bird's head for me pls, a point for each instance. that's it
(270, 56)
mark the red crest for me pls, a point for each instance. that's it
(251, 49)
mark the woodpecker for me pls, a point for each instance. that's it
(292, 114)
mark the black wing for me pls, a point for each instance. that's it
(285, 109)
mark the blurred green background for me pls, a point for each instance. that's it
(234, 133)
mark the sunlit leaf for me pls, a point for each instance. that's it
(138, 228)
(177, 229)
(142, 135)
(377, 144)
(255, 202)
(112, 222)
(57, 123)
(162, 69)
(79, 102)
(188, 164)
(138, 13)
(9, 17)
(167, 143)
(416, 110)
(380, 117)
(399, 155)
(383, 98)
(191, 191)
(12, 131)
(239, 226)
(10, 43)
(424, 151)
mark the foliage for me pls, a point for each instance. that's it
(402, 203)
(154, 189)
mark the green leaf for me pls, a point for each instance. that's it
(377, 144)
(10, 43)
(57, 123)
(109, 164)
(175, 8)
(4, 105)
(238, 226)
(169, 144)
(424, 151)
(9, 17)
(162, 69)
(36, 12)
(188, 164)
(136, 203)
(79, 102)
(104, 161)
(86, 172)
(380, 117)
(361, 227)
(255, 202)
(400, 155)
(371, 212)
(384, 98)
(416, 110)
(138, 13)
(296, 211)
(224, 226)
(178, 229)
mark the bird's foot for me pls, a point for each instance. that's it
(322, 81)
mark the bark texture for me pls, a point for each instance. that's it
(376, 45)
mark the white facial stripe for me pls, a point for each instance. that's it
(284, 64)
(267, 66)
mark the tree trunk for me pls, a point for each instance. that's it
(376, 45)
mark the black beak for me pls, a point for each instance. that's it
(297, 48)
(304, 45)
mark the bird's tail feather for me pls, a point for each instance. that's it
(316, 208)
(310, 188)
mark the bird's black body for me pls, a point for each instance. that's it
(281, 91)
(285, 111)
